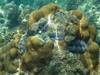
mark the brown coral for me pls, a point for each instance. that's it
(37, 53)
(43, 12)
(10, 67)
(34, 16)
(84, 28)
(90, 57)
(48, 9)
(13, 53)
(77, 13)
(8, 54)
(92, 32)
(87, 31)
(72, 31)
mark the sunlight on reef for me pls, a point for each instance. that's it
(44, 38)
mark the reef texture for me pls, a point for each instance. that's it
(64, 62)
(91, 11)
(46, 47)
(11, 15)
(12, 18)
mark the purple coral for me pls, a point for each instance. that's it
(77, 46)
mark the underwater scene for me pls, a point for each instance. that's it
(49, 37)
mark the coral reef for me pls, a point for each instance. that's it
(12, 18)
(24, 12)
(77, 13)
(36, 15)
(75, 28)
(64, 63)
(36, 52)
(2, 42)
(77, 46)
(87, 33)
(72, 32)
(90, 58)
(5, 35)
(10, 14)
(91, 11)
(84, 26)
(36, 55)
(51, 44)
(98, 37)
